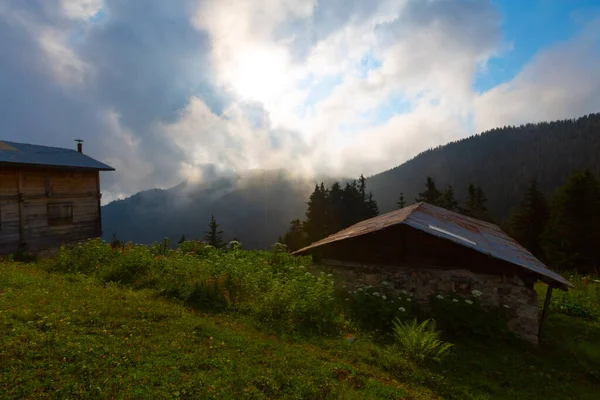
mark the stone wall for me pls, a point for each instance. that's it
(510, 292)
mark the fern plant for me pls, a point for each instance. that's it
(420, 341)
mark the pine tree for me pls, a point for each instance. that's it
(475, 204)
(213, 236)
(447, 199)
(315, 225)
(401, 203)
(529, 221)
(182, 239)
(295, 238)
(570, 240)
(335, 208)
(431, 195)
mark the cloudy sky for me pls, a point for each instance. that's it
(186, 89)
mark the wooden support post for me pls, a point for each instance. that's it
(545, 311)
(21, 201)
(99, 204)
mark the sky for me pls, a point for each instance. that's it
(166, 91)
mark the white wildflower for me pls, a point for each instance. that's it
(408, 299)
(384, 283)
(404, 292)
(597, 280)
(476, 292)
(329, 276)
(439, 296)
(506, 306)
(360, 289)
(402, 309)
(384, 297)
(391, 301)
(376, 294)
(468, 301)
(454, 300)
(347, 299)
(307, 274)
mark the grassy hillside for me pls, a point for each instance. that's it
(143, 322)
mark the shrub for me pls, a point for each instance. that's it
(462, 316)
(374, 308)
(420, 341)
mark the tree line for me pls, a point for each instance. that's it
(562, 231)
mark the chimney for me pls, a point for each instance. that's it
(79, 145)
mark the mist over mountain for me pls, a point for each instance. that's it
(257, 206)
(254, 206)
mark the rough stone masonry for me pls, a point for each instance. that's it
(510, 292)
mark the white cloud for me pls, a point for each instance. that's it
(560, 82)
(173, 90)
(81, 9)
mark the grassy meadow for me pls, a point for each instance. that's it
(205, 323)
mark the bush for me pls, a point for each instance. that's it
(274, 287)
(374, 308)
(420, 341)
(463, 316)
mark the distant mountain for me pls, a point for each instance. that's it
(256, 206)
(502, 161)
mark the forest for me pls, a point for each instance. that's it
(562, 230)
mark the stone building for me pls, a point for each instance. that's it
(423, 249)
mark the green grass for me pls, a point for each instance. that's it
(79, 335)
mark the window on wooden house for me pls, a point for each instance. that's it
(60, 213)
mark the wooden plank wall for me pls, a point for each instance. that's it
(38, 188)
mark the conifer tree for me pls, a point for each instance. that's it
(529, 221)
(182, 239)
(475, 204)
(315, 224)
(401, 203)
(447, 199)
(213, 236)
(431, 195)
(295, 238)
(570, 240)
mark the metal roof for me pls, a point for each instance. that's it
(33, 154)
(481, 236)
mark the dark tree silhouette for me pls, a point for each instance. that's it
(214, 236)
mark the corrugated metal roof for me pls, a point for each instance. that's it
(479, 235)
(33, 154)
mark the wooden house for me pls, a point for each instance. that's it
(424, 251)
(48, 196)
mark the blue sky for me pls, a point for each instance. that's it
(529, 26)
(187, 89)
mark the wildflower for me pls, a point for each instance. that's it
(506, 306)
(347, 299)
(404, 292)
(597, 280)
(392, 301)
(468, 301)
(384, 283)
(454, 300)
(402, 309)
(439, 296)
(408, 299)
(384, 297)
(307, 274)
(376, 294)
(329, 276)
(476, 292)
(360, 289)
